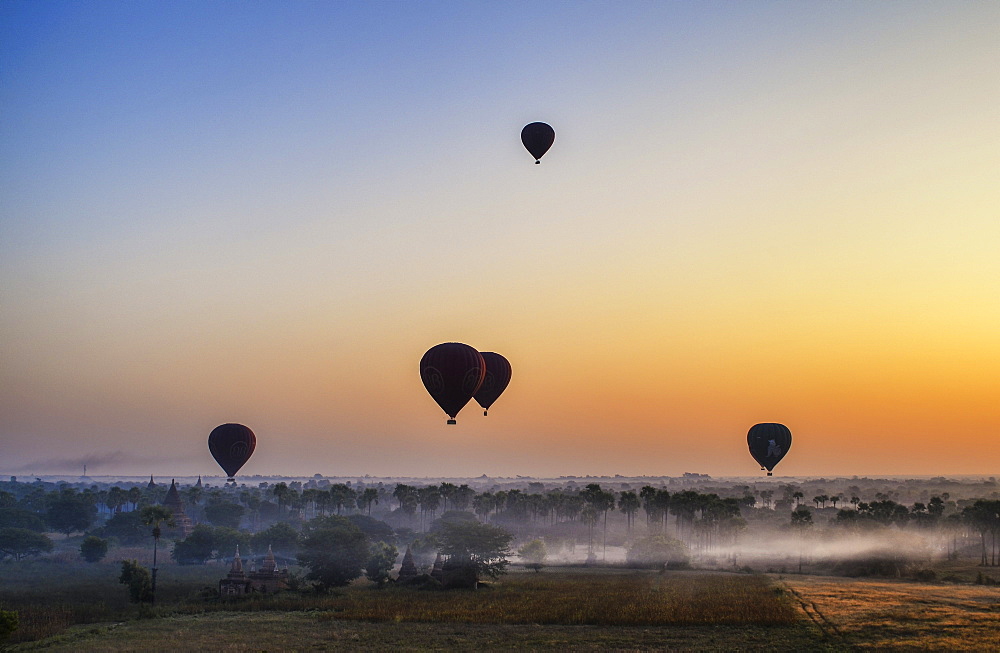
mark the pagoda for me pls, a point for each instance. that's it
(269, 578)
(407, 570)
(235, 583)
(182, 523)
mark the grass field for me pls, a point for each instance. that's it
(564, 609)
(900, 615)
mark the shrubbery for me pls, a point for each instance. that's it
(658, 551)
(93, 549)
(140, 583)
(8, 623)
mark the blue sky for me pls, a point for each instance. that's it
(265, 212)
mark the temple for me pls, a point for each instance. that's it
(407, 570)
(182, 523)
(268, 579)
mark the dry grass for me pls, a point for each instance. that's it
(629, 599)
(298, 631)
(592, 609)
(901, 615)
(49, 596)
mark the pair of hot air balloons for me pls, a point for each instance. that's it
(768, 444)
(454, 373)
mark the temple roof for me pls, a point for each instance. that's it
(173, 498)
(269, 563)
(236, 571)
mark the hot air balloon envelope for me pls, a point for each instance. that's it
(768, 444)
(452, 373)
(231, 445)
(496, 379)
(537, 138)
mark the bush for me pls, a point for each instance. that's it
(658, 551)
(533, 554)
(93, 549)
(422, 582)
(925, 575)
(140, 583)
(886, 564)
(8, 623)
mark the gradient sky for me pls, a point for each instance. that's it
(265, 212)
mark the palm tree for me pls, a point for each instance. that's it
(482, 505)
(117, 498)
(796, 496)
(367, 498)
(134, 495)
(589, 517)
(280, 490)
(802, 519)
(628, 503)
(154, 516)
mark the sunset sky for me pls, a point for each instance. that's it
(266, 212)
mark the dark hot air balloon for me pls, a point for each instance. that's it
(452, 373)
(537, 138)
(768, 444)
(496, 380)
(231, 445)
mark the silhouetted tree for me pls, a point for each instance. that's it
(68, 511)
(367, 498)
(334, 550)
(20, 543)
(154, 516)
(474, 550)
(381, 559)
(628, 503)
(533, 554)
(224, 513)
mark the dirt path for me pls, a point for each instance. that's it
(900, 615)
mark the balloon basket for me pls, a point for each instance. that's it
(485, 413)
(769, 474)
(451, 421)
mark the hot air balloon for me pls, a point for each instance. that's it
(496, 379)
(452, 373)
(231, 445)
(768, 444)
(537, 138)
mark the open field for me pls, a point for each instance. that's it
(900, 615)
(564, 609)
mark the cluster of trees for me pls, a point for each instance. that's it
(283, 514)
(984, 517)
